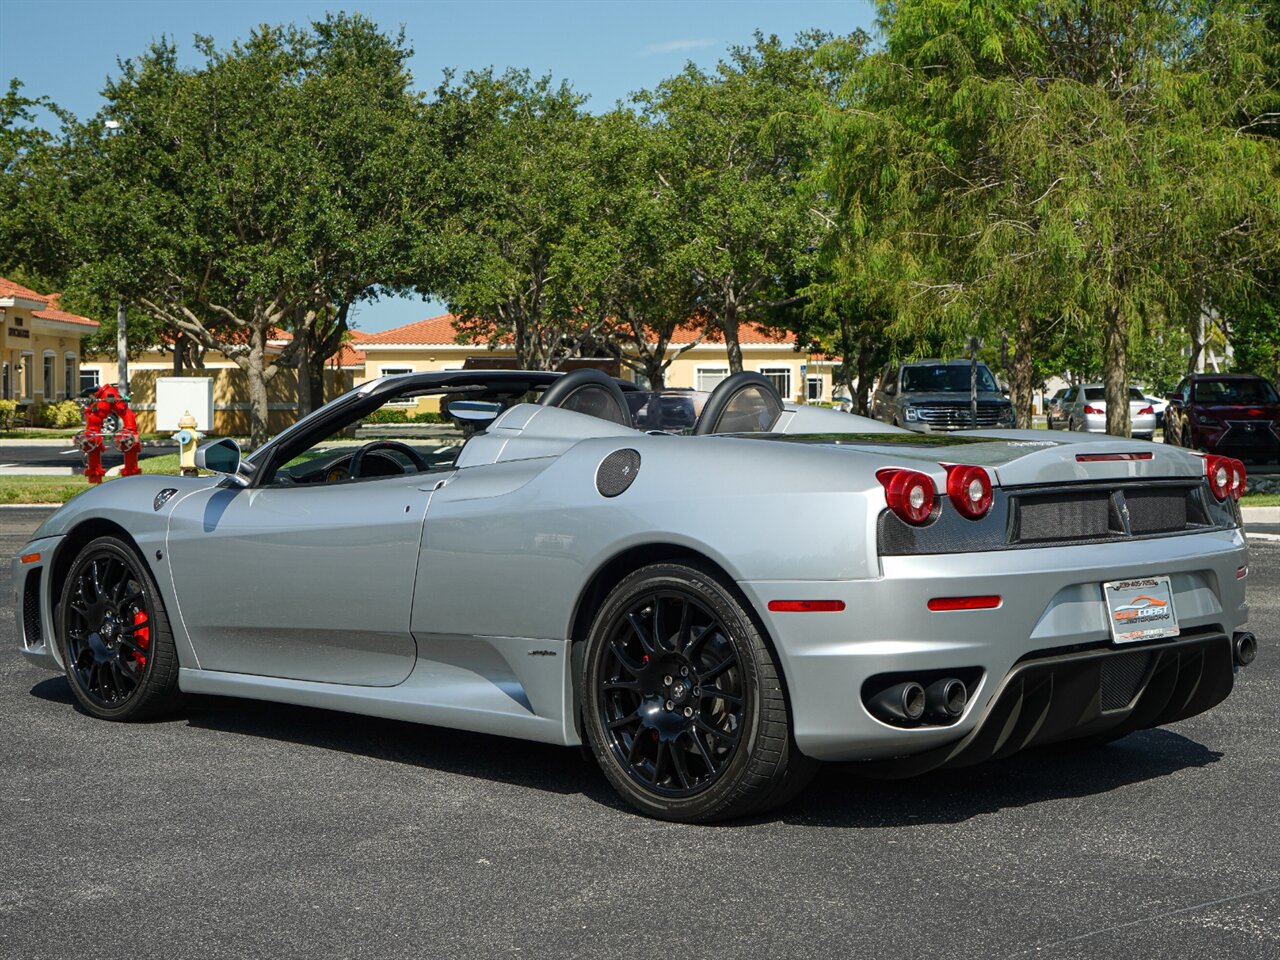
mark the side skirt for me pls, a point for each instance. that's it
(436, 693)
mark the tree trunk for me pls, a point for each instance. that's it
(315, 380)
(255, 370)
(178, 347)
(1115, 371)
(863, 394)
(655, 371)
(1021, 383)
(303, 369)
(729, 326)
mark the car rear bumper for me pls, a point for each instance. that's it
(1051, 605)
(1139, 426)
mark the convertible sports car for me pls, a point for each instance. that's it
(711, 610)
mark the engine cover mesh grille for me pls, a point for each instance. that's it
(1075, 516)
(1156, 511)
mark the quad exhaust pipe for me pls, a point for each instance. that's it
(902, 702)
(945, 700)
(910, 702)
(1244, 646)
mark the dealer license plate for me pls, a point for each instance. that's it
(1140, 609)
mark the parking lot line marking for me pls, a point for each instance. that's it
(1273, 537)
(1157, 916)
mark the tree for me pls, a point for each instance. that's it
(734, 147)
(514, 152)
(1011, 165)
(265, 190)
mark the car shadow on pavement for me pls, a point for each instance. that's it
(539, 766)
(841, 796)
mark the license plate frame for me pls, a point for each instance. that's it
(1140, 608)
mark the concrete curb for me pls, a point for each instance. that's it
(69, 443)
(1260, 514)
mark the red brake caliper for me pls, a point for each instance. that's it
(142, 636)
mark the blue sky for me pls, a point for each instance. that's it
(607, 50)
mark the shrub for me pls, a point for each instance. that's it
(64, 413)
(388, 415)
(429, 417)
(8, 410)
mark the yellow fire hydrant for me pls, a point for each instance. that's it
(188, 438)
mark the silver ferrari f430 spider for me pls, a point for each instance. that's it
(712, 592)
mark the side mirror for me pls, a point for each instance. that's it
(1173, 397)
(220, 456)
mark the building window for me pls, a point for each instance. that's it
(708, 378)
(68, 374)
(49, 385)
(395, 372)
(89, 379)
(780, 377)
(815, 389)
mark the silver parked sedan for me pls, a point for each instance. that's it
(711, 613)
(1084, 408)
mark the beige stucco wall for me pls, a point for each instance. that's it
(230, 390)
(25, 342)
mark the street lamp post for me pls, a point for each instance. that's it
(114, 128)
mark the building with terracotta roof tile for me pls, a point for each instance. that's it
(39, 348)
(433, 344)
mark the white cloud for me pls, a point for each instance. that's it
(676, 46)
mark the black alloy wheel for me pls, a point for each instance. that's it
(683, 701)
(116, 644)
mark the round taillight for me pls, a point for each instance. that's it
(1221, 475)
(1237, 479)
(969, 489)
(909, 494)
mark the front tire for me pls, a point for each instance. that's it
(114, 636)
(683, 702)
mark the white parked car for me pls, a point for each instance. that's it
(1084, 408)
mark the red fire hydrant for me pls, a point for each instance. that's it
(108, 401)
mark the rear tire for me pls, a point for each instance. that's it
(114, 636)
(683, 702)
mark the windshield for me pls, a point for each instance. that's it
(1235, 391)
(1100, 393)
(945, 378)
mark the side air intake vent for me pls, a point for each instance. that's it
(617, 471)
(31, 632)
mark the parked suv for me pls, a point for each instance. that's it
(1084, 408)
(1236, 414)
(930, 396)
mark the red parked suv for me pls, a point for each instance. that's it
(1233, 414)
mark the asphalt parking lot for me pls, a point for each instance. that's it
(248, 829)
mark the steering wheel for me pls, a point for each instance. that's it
(357, 458)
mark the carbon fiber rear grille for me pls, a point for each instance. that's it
(1066, 516)
(1024, 517)
(1122, 677)
(1156, 511)
(31, 632)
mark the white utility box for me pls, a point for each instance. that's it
(176, 395)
